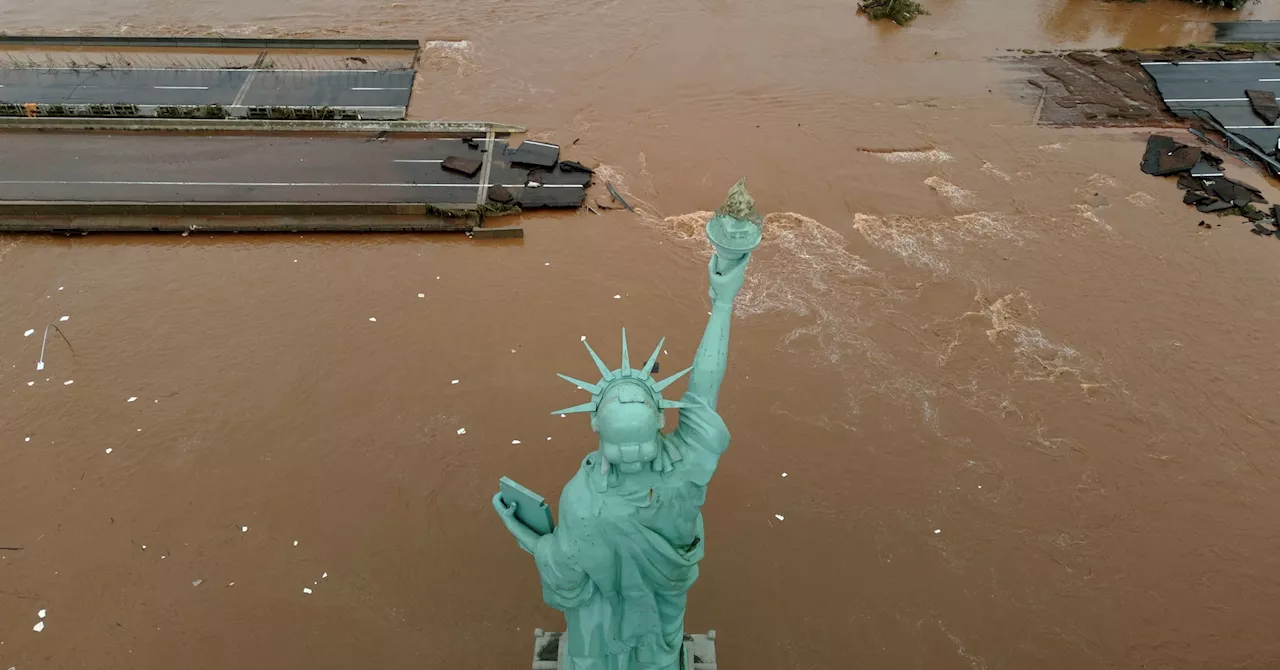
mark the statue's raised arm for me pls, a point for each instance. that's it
(735, 232)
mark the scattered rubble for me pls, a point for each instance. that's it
(1206, 187)
(538, 154)
(464, 166)
(499, 194)
(1264, 105)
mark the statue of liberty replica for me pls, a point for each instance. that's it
(630, 535)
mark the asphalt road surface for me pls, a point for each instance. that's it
(231, 87)
(1218, 87)
(353, 168)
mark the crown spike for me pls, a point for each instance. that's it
(586, 386)
(648, 367)
(578, 409)
(604, 369)
(626, 356)
(662, 385)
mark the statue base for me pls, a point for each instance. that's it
(699, 651)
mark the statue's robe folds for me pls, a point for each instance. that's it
(626, 551)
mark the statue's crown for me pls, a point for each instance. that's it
(624, 375)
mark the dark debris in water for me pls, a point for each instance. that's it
(900, 12)
(1200, 174)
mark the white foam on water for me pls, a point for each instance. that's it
(959, 197)
(935, 243)
(921, 156)
(994, 171)
(442, 54)
(612, 174)
(1142, 199)
(1037, 357)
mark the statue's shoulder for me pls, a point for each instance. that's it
(700, 438)
(700, 426)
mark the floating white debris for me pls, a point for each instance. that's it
(546, 264)
(139, 430)
(563, 416)
(61, 287)
(144, 547)
(462, 431)
(937, 531)
(29, 333)
(132, 398)
(307, 590)
(779, 517)
(164, 557)
(548, 439)
(784, 474)
(41, 613)
(454, 381)
(979, 485)
(617, 297)
(584, 338)
(69, 382)
(31, 383)
(373, 319)
(295, 543)
(38, 627)
(324, 576)
(27, 440)
(422, 295)
(108, 450)
(65, 318)
(515, 442)
(244, 529)
(197, 582)
(233, 583)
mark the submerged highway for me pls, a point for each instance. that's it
(253, 168)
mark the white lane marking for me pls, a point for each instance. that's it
(1209, 100)
(255, 183)
(1216, 62)
(182, 88)
(372, 88)
(415, 160)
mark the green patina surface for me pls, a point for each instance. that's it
(626, 548)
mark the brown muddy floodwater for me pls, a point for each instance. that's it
(1026, 407)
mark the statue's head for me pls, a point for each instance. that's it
(628, 422)
(627, 411)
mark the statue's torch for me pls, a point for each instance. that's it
(735, 230)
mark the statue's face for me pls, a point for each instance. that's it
(628, 424)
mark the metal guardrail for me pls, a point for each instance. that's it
(209, 42)
(447, 128)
